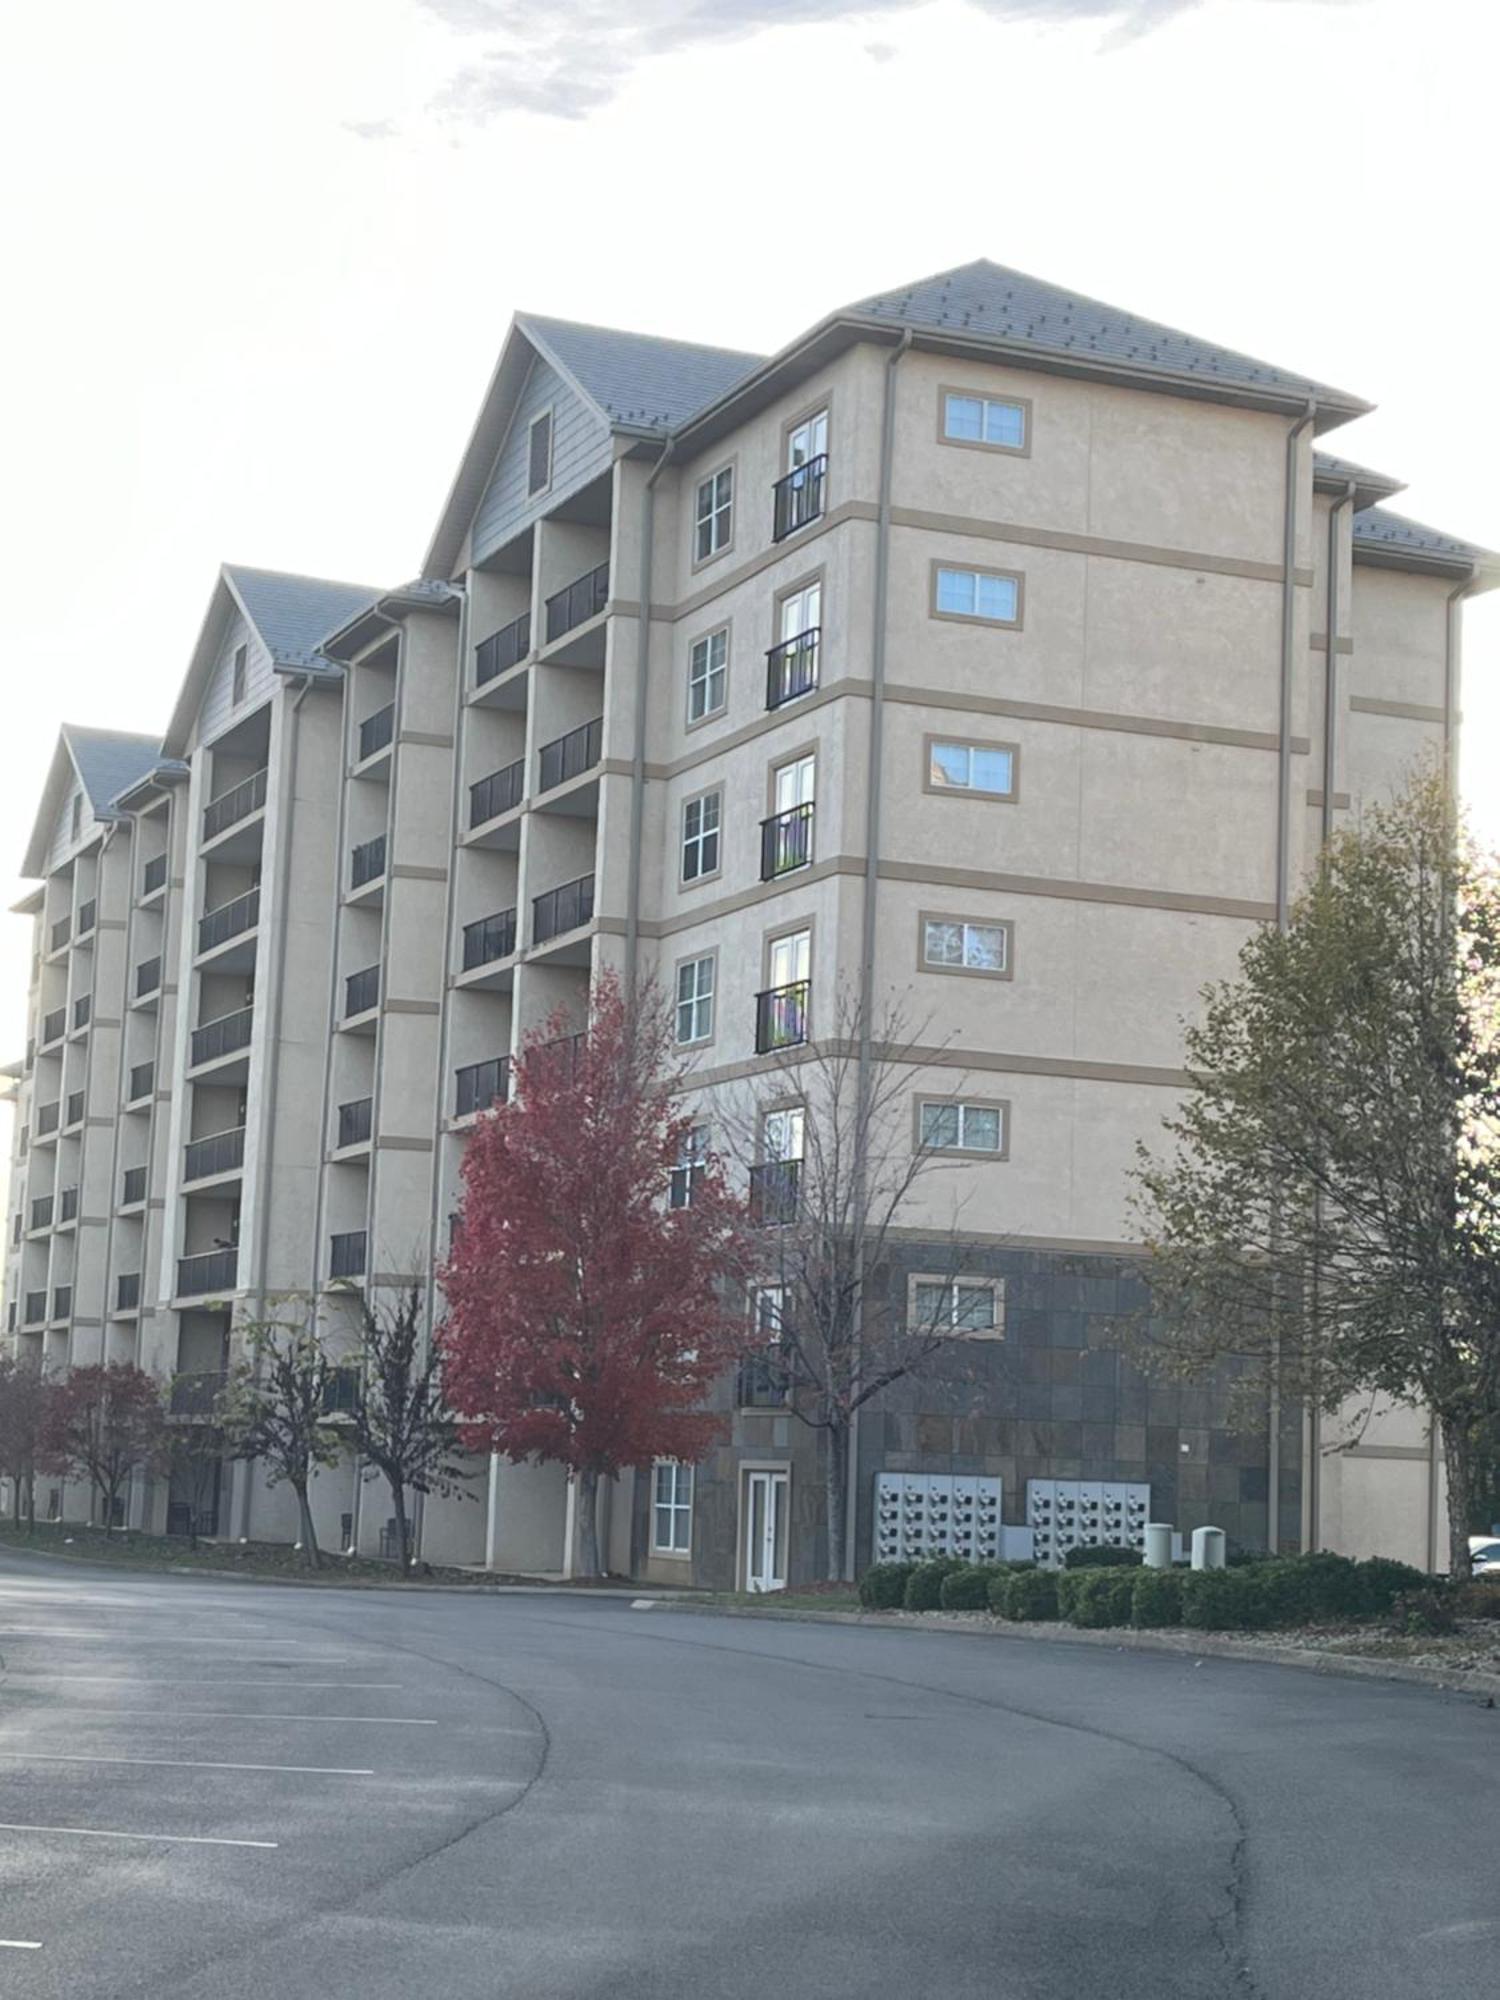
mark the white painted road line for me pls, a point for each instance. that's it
(17, 1944)
(244, 1645)
(214, 1681)
(104, 1833)
(180, 1763)
(257, 1715)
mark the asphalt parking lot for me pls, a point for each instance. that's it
(241, 1791)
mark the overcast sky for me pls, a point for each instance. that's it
(259, 255)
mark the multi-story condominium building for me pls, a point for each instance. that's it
(989, 658)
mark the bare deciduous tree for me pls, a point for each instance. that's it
(399, 1423)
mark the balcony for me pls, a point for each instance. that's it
(41, 1212)
(230, 807)
(141, 1083)
(367, 862)
(61, 931)
(154, 876)
(67, 1205)
(36, 1308)
(83, 1007)
(48, 1118)
(781, 1016)
(341, 1392)
(792, 668)
(229, 920)
(128, 1292)
(482, 1084)
(54, 1026)
(147, 978)
(62, 1302)
(361, 991)
(377, 731)
(73, 1109)
(499, 793)
(197, 1394)
(355, 1121)
(225, 1035)
(218, 1153)
(583, 599)
(488, 939)
(775, 1187)
(571, 755)
(88, 913)
(562, 909)
(133, 1187)
(799, 497)
(502, 650)
(347, 1254)
(786, 842)
(209, 1271)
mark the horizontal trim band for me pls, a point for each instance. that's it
(1408, 711)
(410, 1007)
(412, 871)
(1091, 545)
(992, 882)
(426, 739)
(393, 1142)
(990, 1061)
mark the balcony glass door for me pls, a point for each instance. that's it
(801, 612)
(808, 441)
(791, 959)
(765, 1519)
(781, 1134)
(794, 783)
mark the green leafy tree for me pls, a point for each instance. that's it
(275, 1408)
(399, 1423)
(1323, 1220)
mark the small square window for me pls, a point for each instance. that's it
(695, 1000)
(671, 1508)
(713, 514)
(955, 1305)
(238, 675)
(990, 420)
(708, 674)
(700, 836)
(955, 1126)
(982, 768)
(539, 455)
(985, 595)
(955, 945)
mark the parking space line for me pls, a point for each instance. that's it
(106, 1833)
(214, 1681)
(18, 1944)
(176, 1715)
(180, 1763)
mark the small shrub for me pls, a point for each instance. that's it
(1025, 1595)
(883, 1588)
(968, 1589)
(924, 1587)
(1095, 1598)
(1102, 1555)
(1226, 1600)
(1155, 1598)
(1479, 1599)
(1417, 1614)
(1382, 1580)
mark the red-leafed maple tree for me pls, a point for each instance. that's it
(588, 1310)
(103, 1422)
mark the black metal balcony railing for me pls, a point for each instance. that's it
(489, 938)
(88, 912)
(571, 755)
(54, 1025)
(786, 842)
(154, 875)
(127, 1291)
(376, 731)
(133, 1186)
(67, 1205)
(196, 1394)
(562, 909)
(62, 1301)
(142, 1082)
(347, 1254)
(367, 862)
(147, 977)
(230, 807)
(48, 1118)
(482, 1084)
(781, 1016)
(41, 1212)
(502, 649)
(83, 1007)
(216, 1153)
(73, 1109)
(792, 668)
(582, 600)
(341, 1392)
(231, 919)
(208, 1271)
(222, 1036)
(774, 1189)
(497, 793)
(361, 991)
(62, 930)
(763, 1381)
(36, 1308)
(355, 1121)
(798, 498)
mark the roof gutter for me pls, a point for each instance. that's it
(638, 746)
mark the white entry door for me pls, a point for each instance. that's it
(766, 1495)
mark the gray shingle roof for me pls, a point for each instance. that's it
(1378, 527)
(990, 300)
(294, 614)
(109, 760)
(1326, 466)
(638, 379)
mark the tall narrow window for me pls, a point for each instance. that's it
(539, 454)
(700, 836)
(237, 676)
(692, 1165)
(713, 514)
(672, 1508)
(708, 674)
(695, 1000)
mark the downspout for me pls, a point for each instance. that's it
(638, 750)
(865, 1059)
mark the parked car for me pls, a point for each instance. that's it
(1484, 1555)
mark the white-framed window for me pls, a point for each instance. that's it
(991, 420)
(671, 1508)
(952, 944)
(239, 675)
(988, 595)
(768, 1314)
(695, 999)
(539, 455)
(713, 514)
(968, 1306)
(700, 836)
(988, 769)
(692, 1165)
(807, 440)
(782, 1132)
(708, 674)
(952, 1125)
